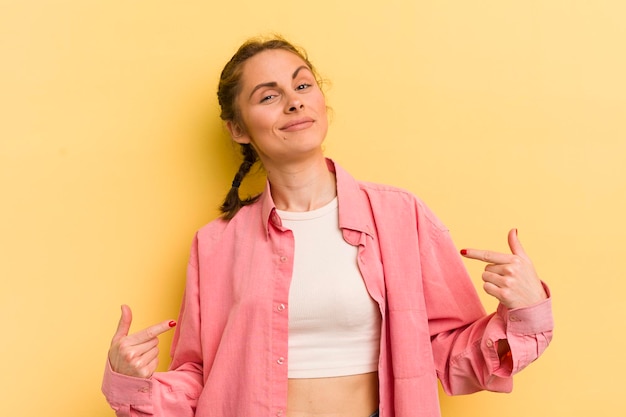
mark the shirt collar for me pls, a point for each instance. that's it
(354, 211)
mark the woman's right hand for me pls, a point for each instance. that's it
(136, 354)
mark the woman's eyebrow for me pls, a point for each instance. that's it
(301, 67)
(273, 84)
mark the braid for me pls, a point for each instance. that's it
(233, 203)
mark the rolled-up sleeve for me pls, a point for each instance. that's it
(528, 332)
(475, 362)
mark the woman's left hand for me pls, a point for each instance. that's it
(511, 278)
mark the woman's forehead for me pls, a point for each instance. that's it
(272, 63)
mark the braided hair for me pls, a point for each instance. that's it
(233, 203)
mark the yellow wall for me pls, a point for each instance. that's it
(498, 113)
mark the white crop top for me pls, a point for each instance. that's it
(334, 324)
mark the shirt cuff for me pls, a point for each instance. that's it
(124, 389)
(529, 320)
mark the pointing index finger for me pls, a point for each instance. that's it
(486, 256)
(153, 331)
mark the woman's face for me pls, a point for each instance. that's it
(282, 108)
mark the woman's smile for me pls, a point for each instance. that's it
(298, 124)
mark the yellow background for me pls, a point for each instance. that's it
(498, 114)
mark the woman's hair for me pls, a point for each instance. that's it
(227, 92)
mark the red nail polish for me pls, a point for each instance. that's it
(463, 251)
(172, 323)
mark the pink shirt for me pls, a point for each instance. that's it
(229, 355)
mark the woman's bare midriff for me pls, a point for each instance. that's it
(343, 396)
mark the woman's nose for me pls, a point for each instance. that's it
(294, 104)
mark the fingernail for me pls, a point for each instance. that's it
(172, 323)
(463, 251)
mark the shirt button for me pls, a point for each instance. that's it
(280, 360)
(143, 389)
(280, 307)
(279, 413)
(283, 259)
(514, 318)
(489, 343)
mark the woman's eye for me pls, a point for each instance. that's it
(303, 86)
(267, 98)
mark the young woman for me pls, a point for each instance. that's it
(323, 296)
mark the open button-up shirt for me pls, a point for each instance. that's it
(229, 354)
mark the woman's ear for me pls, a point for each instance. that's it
(237, 133)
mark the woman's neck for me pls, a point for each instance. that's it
(302, 187)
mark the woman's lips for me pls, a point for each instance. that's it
(298, 124)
